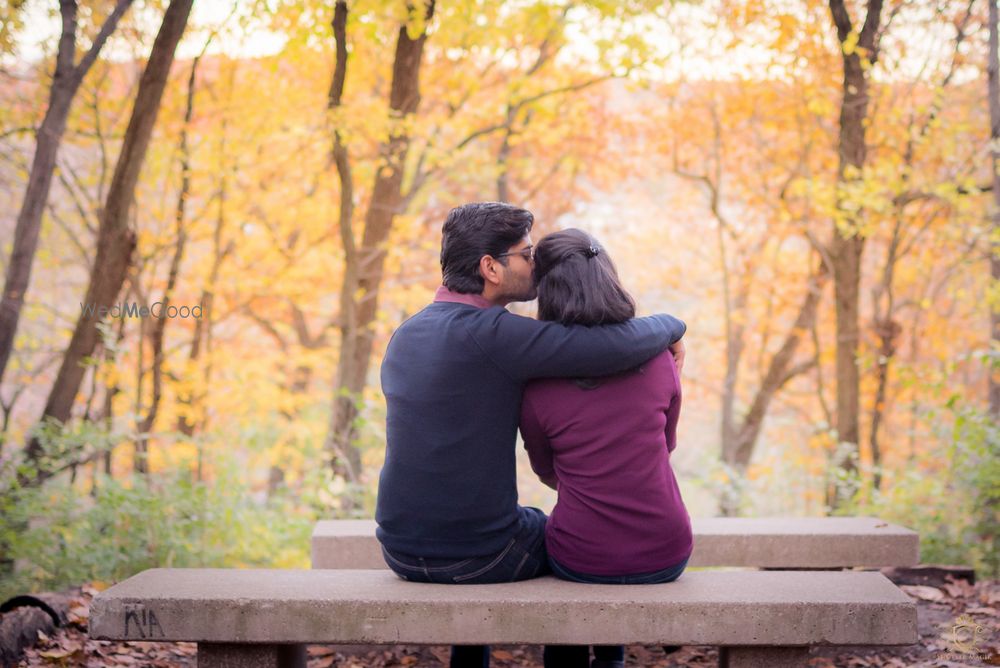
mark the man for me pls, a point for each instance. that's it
(452, 377)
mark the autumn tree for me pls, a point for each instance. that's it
(66, 81)
(365, 257)
(921, 204)
(737, 147)
(116, 238)
(157, 335)
(846, 245)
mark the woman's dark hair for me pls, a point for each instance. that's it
(577, 281)
(474, 230)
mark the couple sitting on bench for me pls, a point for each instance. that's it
(594, 390)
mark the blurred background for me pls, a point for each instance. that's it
(809, 185)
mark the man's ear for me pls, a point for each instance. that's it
(489, 269)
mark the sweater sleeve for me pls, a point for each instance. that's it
(673, 410)
(525, 348)
(535, 441)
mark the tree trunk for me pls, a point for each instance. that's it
(503, 156)
(888, 330)
(847, 242)
(779, 372)
(116, 240)
(846, 255)
(363, 271)
(110, 392)
(345, 459)
(888, 333)
(203, 326)
(65, 83)
(160, 324)
(735, 313)
(994, 95)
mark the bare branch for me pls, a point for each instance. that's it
(109, 26)
(266, 325)
(841, 19)
(17, 131)
(479, 133)
(798, 370)
(80, 208)
(910, 196)
(870, 28)
(545, 52)
(71, 234)
(572, 88)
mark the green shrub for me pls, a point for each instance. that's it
(63, 533)
(956, 509)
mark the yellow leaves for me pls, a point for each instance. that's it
(110, 375)
(182, 453)
(147, 239)
(850, 44)
(993, 296)
(786, 33)
(759, 470)
(289, 557)
(751, 11)
(821, 106)
(798, 187)
(821, 442)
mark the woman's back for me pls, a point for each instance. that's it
(619, 509)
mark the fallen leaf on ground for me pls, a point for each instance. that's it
(983, 611)
(959, 588)
(442, 654)
(60, 653)
(923, 592)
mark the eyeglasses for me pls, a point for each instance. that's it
(527, 253)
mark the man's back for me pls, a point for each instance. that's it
(448, 485)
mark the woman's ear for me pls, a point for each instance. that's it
(489, 269)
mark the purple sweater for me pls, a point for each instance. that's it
(619, 510)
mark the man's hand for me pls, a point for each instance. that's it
(678, 351)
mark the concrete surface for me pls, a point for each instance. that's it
(780, 542)
(735, 608)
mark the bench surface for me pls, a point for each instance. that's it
(792, 542)
(726, 608)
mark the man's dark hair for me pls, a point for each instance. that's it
(474, 230)
(578, 283)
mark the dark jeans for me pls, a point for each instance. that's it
(523, 558)
(657, 577)
(578, 656)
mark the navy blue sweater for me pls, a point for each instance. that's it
(452, 376)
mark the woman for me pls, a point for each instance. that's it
(604, 444)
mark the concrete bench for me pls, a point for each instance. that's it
(793, 542)
(255, 617)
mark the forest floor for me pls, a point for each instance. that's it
(939, 610)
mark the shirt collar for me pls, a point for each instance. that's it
(443, 294)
